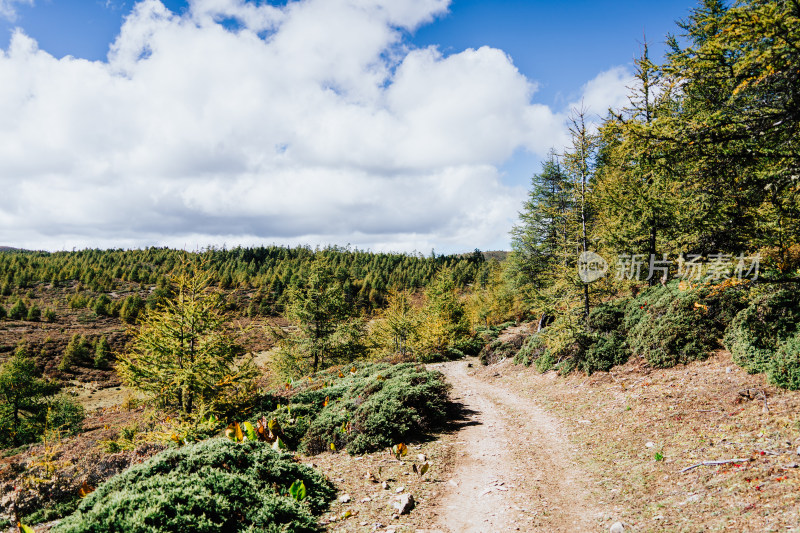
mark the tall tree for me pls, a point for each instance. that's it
(579, 163)
(541, 240)
(183, 354)
(739, 120)
(23, 397)
(328, 329)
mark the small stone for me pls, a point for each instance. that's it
(365, 500)
(617, 527)
(404, 504)
(422, 458)
(728, 370)
(650, 444)
(399, 489)
(344, 498)
(385, 485)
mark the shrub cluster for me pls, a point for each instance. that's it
(664, 324)
(213, 486)
(362, 408)
(764, 337)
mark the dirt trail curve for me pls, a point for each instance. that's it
(513, 466)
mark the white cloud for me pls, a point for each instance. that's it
(608, 89)
(8, 10)
(241, 124)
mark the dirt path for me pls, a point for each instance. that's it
(513, 466)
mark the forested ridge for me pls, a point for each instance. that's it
(366, 276)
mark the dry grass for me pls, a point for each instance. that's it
(639, 427)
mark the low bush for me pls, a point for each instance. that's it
(77, 351)
(608, 317)
(669, 326)
(363, 408)
(499, 349)
(757, 332)
(216, 485)
(784, 368)
(532, 349)
(65, 415)
(607, 351)
(34, 314)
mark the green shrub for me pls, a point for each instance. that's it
(607, 351)
(608, 317)
(669, 326)
(3, 312)
(755, 335)
(49, 315)
(532, 348)
(34, 313)
(19, 311)
(132, 307)
(51, 511)
(65, 415)
(102, 353)
(371, 406)
(102, 305)
(545, 362)
(216, 485)
(498, 350)
(784, 368)
(78, 301)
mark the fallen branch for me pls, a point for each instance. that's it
(714, 463)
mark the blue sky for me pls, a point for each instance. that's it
(381, 78)
(559, 44)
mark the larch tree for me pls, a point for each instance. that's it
(183, 354)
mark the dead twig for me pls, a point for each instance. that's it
(714, 463)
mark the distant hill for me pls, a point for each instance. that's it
(10, 249)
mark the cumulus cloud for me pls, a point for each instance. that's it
(609, 89)
(8, 10)
(239, 123)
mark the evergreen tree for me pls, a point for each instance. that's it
(18, 311)
(328, 329)
(542, 238)
(182, 354)
(102, 353)
(396, 325)
(77, 351)
(23, 395)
